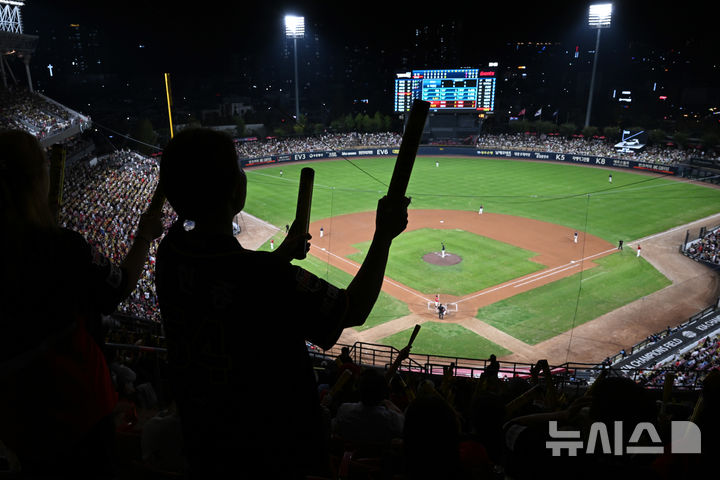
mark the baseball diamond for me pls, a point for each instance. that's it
(686, 287)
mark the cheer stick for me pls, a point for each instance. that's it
(396, 364)
(413, 335)
(302, 213)
(408, 149)
(340, 383)
(57, 174)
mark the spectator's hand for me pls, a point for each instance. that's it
(150, 225)
(391, 218)
(404, 353)
(296, 244)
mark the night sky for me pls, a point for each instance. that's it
(211, 28)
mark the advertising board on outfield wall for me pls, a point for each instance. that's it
(464, 151)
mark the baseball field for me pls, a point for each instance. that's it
(512, 274)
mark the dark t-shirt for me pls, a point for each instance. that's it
(236, 323)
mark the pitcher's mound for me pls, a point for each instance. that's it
(436, 258)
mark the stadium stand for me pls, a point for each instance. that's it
(497, 426)
(38, 115)
(579, 146)
(705, 248)
(278, 146)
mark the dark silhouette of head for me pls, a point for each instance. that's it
(201, 177)
(372, 387)
(24, 181)
(431, 439)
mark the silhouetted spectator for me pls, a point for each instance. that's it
(57, 396)
(204, 279)
(493, 367)
(372, 420)
(431, 440)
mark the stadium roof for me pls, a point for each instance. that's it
(17, 43)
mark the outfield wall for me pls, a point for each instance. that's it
(609, 162)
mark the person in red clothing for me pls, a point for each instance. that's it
(56, 393)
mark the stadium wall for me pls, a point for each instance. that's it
(608, 162)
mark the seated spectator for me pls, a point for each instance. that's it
(374, 419)
(161, 442)
(613, 399)
(431, 440)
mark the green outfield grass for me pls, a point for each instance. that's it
(452, 340)
(578, 197)
(485, 262)
(544, 312)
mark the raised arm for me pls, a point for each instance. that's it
(363, 291)
(149, 228)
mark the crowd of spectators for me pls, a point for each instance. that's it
(580, 146)
(282, 146)
(394, 424)
(706, 248)
(689, 368)
(103, 200)
(542, 143)
(24, 110)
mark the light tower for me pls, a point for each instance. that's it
(599, 17)
(295, 28)
(13, 43)
(10, 19)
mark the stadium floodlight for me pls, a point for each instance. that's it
(599, 17)
(10, 18)
(295, 28)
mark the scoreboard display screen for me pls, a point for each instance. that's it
(447, 89)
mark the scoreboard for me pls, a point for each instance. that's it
(447, 89)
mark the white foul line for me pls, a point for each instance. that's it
(515, 283)
(536, 276)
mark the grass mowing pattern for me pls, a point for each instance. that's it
(578, 197)
(450, 339)
(486, 262)
(547, 311)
